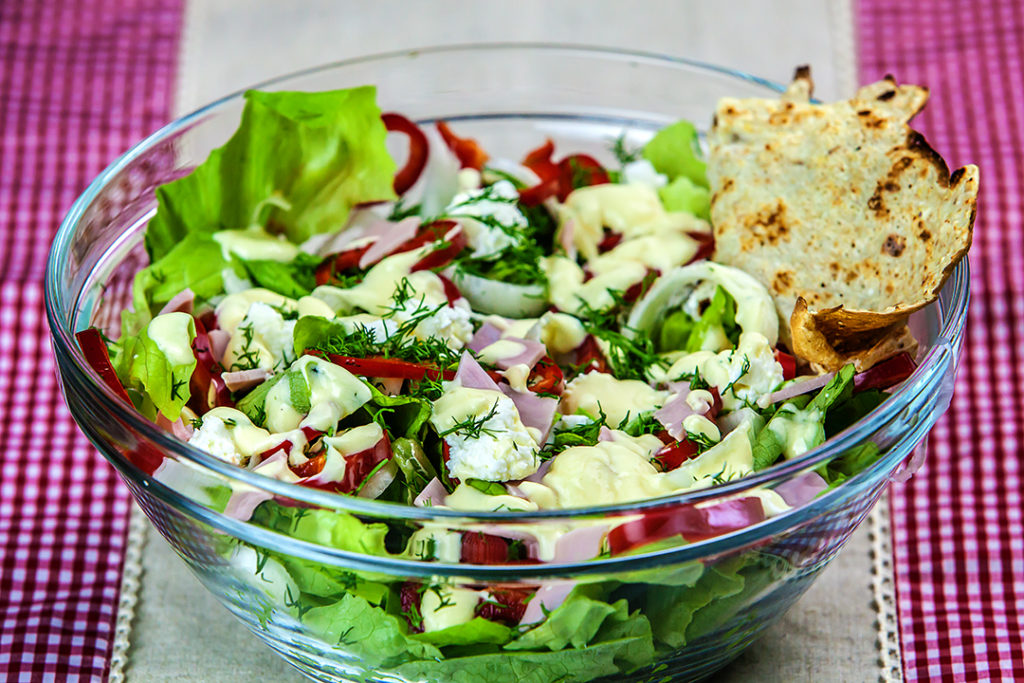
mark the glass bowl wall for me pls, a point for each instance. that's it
(699, 603)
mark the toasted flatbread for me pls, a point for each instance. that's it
(841, 206)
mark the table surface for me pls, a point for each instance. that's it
(81, 81)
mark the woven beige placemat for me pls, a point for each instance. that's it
(170, 629)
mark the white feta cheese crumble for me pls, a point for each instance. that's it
(229, 435)
(642, 171)
(486, 438)
(497, 204)
(451, 323)
(263, 339)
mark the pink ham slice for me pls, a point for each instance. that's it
(219, 340)
(548, 597)
(802, 489)
(534, 411)
(677, 409)
(242, 503)
(472, 376)
(180, 303)
(800, 388)
(484, 337)
(389, 236)
(433, 494)
(244, 379)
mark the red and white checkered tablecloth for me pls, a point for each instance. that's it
(958, 538)
(80, 81)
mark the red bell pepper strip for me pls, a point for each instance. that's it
(689, 521)
(579, 170)
(418, 150)
(96, 355)
(343, 261)
(539, 161)
(389, 367)
(468, 152)
(506, 605)
(787, 362)
(675, 454)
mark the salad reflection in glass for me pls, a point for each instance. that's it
(474, 333)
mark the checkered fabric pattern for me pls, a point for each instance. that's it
(79, 83)
(958, 537)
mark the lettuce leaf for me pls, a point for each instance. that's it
(671, 609)
(475, 631)
(675, 151)
(294, 279)
(622, 644)
(380, 639)
(195, 262)
(682, 194)
(297, 164)
(574, 623)
(156, 365)
(324, 527)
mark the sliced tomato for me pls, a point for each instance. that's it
(442, 256)
(343, 262)
(311, 467)
(787, 362)
(675, 454)
(481, 548)
(886, 374)
(358, 467)
(689, 521)
(98, 357)
(546, 377)
(146, 457)
(466, 150)
(589, 356)
(418, 150)
(389, 367)
(506, 605)
(579, 170)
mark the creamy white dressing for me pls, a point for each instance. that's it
(334, 393)
(619, 399)
(173, 333)
(255, 244)
(444, 606)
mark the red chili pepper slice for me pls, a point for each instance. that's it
(468, 152)
(389, 367)
(546, 377)
(98, 357)
(418, 150)
(343, 262)
(788, 364)
(579, 170)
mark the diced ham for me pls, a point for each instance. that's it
(472, 376)
(532, 351)
(535, 411)
(802, 489)
(541, 471)
(389, 236)
(180, 303)
(547, 598)
(565, 238)
(799, 388)
(484, 337)
(245, 379)
(433, 494)
(672, 414)
(242, 504)
(219, 340)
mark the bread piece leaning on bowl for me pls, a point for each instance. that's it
(845, 213)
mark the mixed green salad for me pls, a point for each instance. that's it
(477, 334)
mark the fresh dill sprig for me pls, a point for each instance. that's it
(472, 427)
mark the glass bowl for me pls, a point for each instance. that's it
(316, 574)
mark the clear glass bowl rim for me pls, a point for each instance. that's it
(58, 312)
